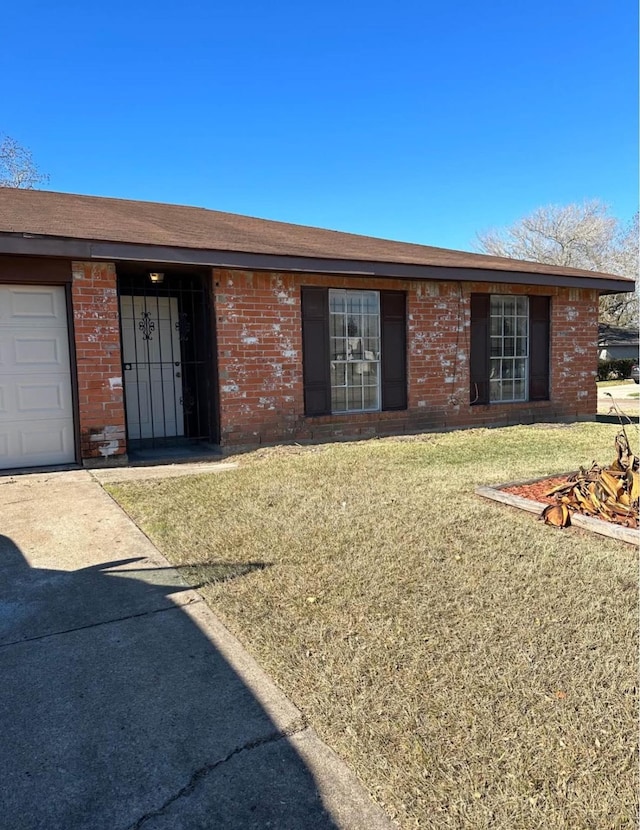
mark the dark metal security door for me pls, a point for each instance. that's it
(166, 359)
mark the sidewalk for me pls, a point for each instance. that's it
(124, 703)
(625, 396)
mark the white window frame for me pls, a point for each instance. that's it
(356, 359)
(508, 346)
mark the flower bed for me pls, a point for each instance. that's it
(535, 490)
(529, 496)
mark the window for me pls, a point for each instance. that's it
(354, 350)
(509, 356)
(509, 348)
(354, 325)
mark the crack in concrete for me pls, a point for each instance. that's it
(95, 625)
(298, 725)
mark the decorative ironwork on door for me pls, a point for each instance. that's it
(147, 326)
(166, 359)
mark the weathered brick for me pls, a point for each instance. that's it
(260, 358)
(97, 341)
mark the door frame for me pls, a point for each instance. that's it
(130, 273)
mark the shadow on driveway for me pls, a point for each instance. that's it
(115, 716)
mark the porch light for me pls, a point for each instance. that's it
(156, 277)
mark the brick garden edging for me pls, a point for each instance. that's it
(613, 531)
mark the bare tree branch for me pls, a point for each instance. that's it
(578, 236)
(17, 167)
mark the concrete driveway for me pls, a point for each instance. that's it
(124, 703)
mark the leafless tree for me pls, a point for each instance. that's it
(578, 236)
(17, 167)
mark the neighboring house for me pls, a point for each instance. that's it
(617, 342)
(125, 324)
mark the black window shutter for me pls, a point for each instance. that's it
(539, 330)
(393, 347)
(479, 361)
(315, 351)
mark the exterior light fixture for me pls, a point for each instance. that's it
(156, 277)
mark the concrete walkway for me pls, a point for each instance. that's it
(624, 395)
(124, 703)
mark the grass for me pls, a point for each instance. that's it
(475, 668)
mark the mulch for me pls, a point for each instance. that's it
(536, 491)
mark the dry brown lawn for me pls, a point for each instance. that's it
(476, 668)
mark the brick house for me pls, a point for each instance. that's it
(131, 324)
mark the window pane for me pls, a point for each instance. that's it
(338, 400)
(521, 346)
(370, 373)
(520, 368)
(496, 326)
(354, 348)
(371, 349)
(506, 370)
(521, 327)
(370, 302)
(507, 390)
(354, 398)
(496, 305)
(354, 302)
(338, 348)
(496, 346)
(354, 373)
(522, 306)
(370, 326)
(495, 390)
(509, 304)
(338, 374)
(337, 325)
(354, 326)
(337, 300)
(519, 390)
(370, 397)
(509, 346)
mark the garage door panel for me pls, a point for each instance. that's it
(44, 351)
(35, 398)
(22, 352)
(36, 401)
(40, 305)
(36, 443)
(42, 396)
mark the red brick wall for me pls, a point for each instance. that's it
(97, 341)
(260, 359)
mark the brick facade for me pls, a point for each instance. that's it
(259, 352)
(99, 367)
(260, 359)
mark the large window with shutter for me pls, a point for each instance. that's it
(509, 348)
(354, 350)
(354, 329)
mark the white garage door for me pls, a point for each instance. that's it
(36, 409)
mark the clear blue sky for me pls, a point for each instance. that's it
(423, 121)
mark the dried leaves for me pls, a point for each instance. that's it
(609, 493)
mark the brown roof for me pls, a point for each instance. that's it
(70, 216)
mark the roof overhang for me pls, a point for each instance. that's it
(89, 250)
